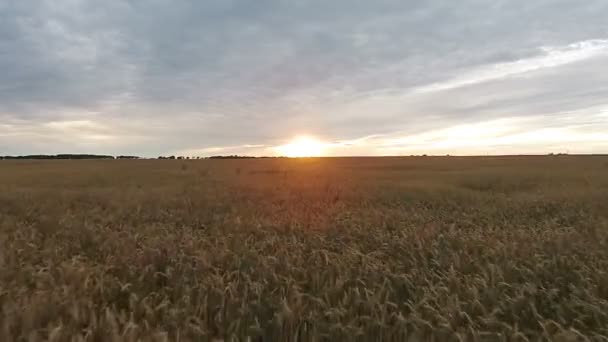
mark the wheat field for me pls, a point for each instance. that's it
(315, 249)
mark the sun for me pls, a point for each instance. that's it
(303, 146)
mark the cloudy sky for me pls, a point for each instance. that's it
(383, 77)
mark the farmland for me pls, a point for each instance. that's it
(313, 249)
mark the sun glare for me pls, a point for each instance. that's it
(302, 147)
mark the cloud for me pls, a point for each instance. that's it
(553, 57)
(246, 150)
(517, 135)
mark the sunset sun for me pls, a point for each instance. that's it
(303, 146)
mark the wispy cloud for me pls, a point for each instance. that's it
(551, 57)
(247, 149)
(79, 125)
(502, 136)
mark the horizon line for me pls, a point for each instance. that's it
(91, 156)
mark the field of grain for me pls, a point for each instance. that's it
(345, 249)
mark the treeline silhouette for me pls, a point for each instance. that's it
(68, 156)
(59, 156)
(97, 156)
(215, 157)
(231, 157)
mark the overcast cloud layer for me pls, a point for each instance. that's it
(369, 77)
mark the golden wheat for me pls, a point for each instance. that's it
(345, 249)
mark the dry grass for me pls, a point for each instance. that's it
(368, 249)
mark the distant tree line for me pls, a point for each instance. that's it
(59, 156)
(212, 157)
(98, 156)
(231, 157)
(178, 157)
(242, 157)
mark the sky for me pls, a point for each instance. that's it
(358, 77)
